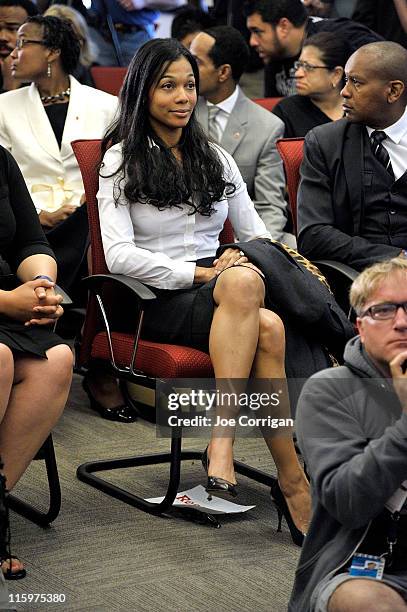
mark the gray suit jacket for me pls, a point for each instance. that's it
(250, 137)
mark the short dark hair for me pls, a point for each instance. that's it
(59, 34)
(388, 61)
(335, 50)
(271, 11)
(189, 20)
(229, 48)
(29, 7)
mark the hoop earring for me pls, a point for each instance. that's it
(49, 73)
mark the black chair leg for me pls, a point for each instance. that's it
(43, 519)
(86, 473)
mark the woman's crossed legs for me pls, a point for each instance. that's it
(245, 340)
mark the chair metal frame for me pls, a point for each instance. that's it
(42, 518)
(87, 471)
(47, 453)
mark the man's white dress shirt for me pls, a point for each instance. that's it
(396, 144)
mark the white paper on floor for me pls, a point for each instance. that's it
(198, 498)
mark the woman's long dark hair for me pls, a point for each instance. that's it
(151, 173)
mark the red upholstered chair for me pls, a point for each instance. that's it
(131, 358)
(339, 275)
(108, 78)
(267, 103)
(291, 152)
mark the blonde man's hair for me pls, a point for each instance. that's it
(367, 282)
(88, 51)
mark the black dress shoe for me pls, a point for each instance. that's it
(220, 485)
(122, 413)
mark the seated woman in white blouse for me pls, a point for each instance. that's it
(164, 195)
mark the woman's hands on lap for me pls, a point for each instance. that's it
(233, 257)
(33, 303)
(229, 258)
(51, 219)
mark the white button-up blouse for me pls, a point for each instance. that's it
(160, 247)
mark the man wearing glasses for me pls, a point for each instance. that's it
(278, 30)
(351, 426)
(13, 14)
(352, 199)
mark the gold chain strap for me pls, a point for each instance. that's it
(316, 272)
(307, 264)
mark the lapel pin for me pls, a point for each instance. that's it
(236, 135)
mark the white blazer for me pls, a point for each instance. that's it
(52, 175)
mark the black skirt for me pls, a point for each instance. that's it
(34, 340)
(181, 316)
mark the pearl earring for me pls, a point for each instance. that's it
(49, 70)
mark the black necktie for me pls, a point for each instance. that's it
(379, 151)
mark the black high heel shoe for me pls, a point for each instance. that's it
(220, 485)
(122, 413)
(282, 510)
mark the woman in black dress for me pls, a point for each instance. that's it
(319, 80)
(35, 364)
(37, 126)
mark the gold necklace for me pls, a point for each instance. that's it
(57, 97)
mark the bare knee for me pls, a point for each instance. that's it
(365, 596)
(240, 287)
(271, 333)
(59, 366)
(6, 365)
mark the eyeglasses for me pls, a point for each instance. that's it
(308, 67)
(20, 42)
(384, 312)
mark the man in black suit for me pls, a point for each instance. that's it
(352, 199)
(278, 29)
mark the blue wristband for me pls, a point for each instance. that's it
(45, 277)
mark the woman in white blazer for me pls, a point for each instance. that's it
(37, 125)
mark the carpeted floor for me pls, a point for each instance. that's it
(105, 556)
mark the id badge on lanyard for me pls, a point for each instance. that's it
(372, 566)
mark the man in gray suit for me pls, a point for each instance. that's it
(244, 129)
